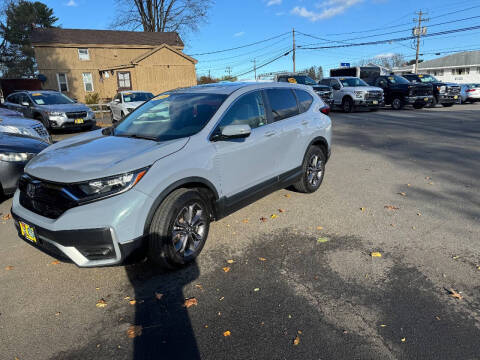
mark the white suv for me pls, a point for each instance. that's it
(173, 165)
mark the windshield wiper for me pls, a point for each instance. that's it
(136, 136)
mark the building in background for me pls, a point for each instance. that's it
(462, 68)
(80, 62)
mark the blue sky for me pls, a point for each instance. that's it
(235, 23)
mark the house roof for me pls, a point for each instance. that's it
(466, 58)
(107, 37)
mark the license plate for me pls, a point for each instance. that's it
(375, 102)
(455, 97)
(78, 121)
(425, 99)
(28, 232)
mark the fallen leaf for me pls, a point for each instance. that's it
(58, 313)
(478, 268)
(221, 299)
(296, 341)
(9, 267)
(101, 303)
(199, 286)
(126, 298)
(262, 259)
(436, 317)
(289, 316)
(230, 261)
(454, 294)
(455, 257)
(431, 183)
(299, 332)
(228, 225)
(375, 254)
(56, 262)
(287, 195)
(403, 339)
(393, 225)
(273, 216)
(263, 219)
(362, 209)
(206, 326)
(245, 221)
(134, 331)
(345, 331)
(133, 302)
(97, 288)
(226, 269)
(419, 214)
(383, 325)
(7, 217)
(409, 185)
(319, 227)
(190, 302)
(402, 193)
(227, 333)
(391, 207)
(322, 240)
(427, 177)
(256, 289)
(281, 210)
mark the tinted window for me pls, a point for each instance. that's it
(304, 100)
(248, 110)
(171, 116)
(394, 79)
(283, 103)
(13, 98)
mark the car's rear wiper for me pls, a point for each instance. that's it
(136, 136)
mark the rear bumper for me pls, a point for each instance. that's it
(10, 172)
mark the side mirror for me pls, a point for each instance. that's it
(233, 132)
(116, 100)
(25, 103)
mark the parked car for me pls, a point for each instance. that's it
(398, 92)
(126, 101)
(15, 152)
(325, 92)
(159, 177)
(469, 93)
(351, 92)
(54, 109)
(19, 125)
(446, 94)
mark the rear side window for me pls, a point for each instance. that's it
(304, 100)
(247, 110)
(283, 103)
(13, 99)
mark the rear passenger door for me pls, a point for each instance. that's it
(12, 102)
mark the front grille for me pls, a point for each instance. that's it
(40, 130)
(325, 95)
(453, 90)
(77, 115)
(422, 91)
(44, 198)
(373, 95)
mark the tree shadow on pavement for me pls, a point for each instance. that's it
(167, 331)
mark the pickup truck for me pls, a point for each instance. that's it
(446, 94)
(351, 92)
(399, 92)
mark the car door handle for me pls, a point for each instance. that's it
(305, 122)
(270, 133)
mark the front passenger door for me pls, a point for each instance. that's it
(246, 164)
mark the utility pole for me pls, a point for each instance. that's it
(228, 70)
(255, 68)
(418, 32)
(294, 48)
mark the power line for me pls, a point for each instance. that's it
(240, 47)
(265, 64)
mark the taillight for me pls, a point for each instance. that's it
(470, 90)
(325, 110)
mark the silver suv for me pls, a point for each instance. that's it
(173, 165)
(54, 109)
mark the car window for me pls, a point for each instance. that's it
(23, 98)
(51, 98)
(325, 82)
(117, 97)
(171, 116)
(132, 97)
(247, 110)
(282, 79)
(13, 98)
(304, 100)
(381, 82)
(395, 79)
(353, 82)
(282, 103)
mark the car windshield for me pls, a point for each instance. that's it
(354, 82)
(170, 116)
(472, 86)
(43, 98)
(137, 96)
(305, 80)
(395, 79)
(427, 78)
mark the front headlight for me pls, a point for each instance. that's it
(90, 114)
(442, 89)
(359, 94)
(16, 157)
(55, 113)
(111, 185)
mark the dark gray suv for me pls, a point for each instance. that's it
(54, 109)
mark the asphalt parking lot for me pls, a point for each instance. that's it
(301, 284)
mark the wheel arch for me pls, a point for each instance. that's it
(347, 96)
(206, 188)
(322, 143)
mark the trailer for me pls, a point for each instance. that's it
(366, 73)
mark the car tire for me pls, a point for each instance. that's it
(447, 105)
(397, 103)
(182, 220)
(313, 164)
(418, 106)
(374, 109)
(347, 105)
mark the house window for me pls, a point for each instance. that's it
(87, 82)
(124, 82)
(461, 71)
(83, 54)
(62, 82)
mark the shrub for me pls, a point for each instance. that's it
(93, 98)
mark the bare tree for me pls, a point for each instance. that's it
(161, 15)
(388, 61)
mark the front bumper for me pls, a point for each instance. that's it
(64, 122)
(447, 98)
(369, 103)
(101, 233)
(10, 172)
(412, 100)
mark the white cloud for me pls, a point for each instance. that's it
(274, 2)
(238, 34)
(383, 56)
(328, 9)
(72, 3)
(280, 13)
